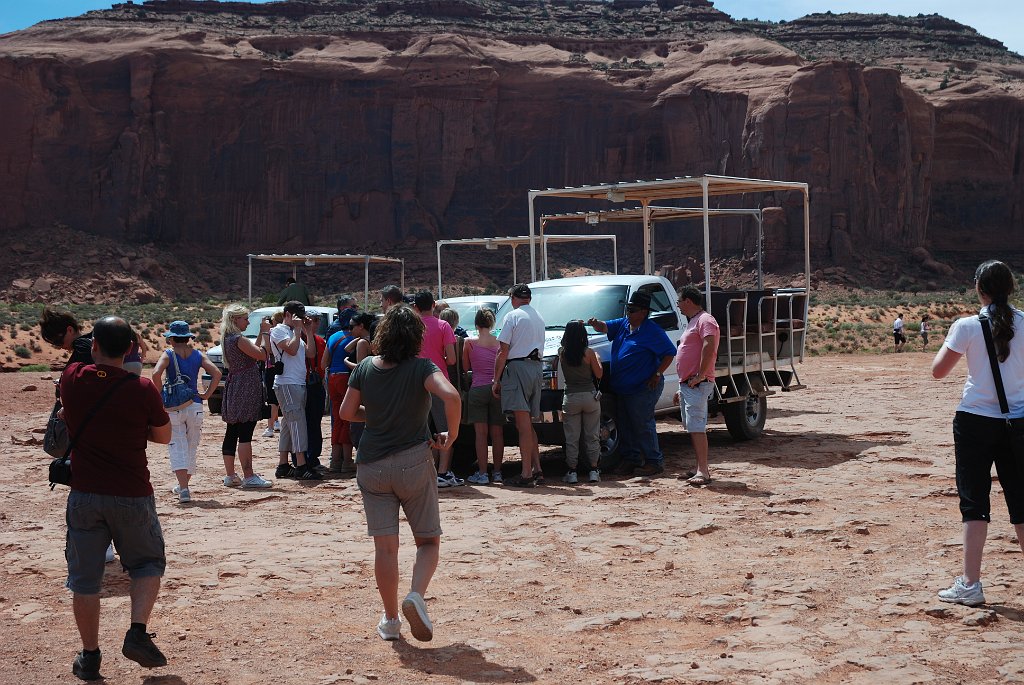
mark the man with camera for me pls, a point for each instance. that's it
(111, 496)
(289, 353)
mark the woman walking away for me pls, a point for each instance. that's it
(394, 466)
(925, 329)
(484, 409)
(982, 432)
(187, 419)
(581, 405)
(243, 395)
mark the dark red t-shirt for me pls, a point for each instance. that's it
(109, 458)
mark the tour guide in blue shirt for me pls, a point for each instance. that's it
(641, 351)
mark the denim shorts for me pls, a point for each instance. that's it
(96, 520)
(405, 479)
(693, 406)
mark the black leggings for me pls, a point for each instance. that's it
(237, 433)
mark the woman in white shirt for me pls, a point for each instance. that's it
(981, 431)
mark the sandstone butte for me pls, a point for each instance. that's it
(326, 125)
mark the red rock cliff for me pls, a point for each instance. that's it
(276, 132)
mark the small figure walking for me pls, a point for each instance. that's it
(925, 328)
(899, 337)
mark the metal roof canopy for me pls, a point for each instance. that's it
(313, 259)
(516, 241)
(646, 192)
(657, 213)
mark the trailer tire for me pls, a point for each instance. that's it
(745, 420)
(608, 434)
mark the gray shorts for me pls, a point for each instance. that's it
(484, 407)
(294, 436)
(405, 479)
(693, 406)
(96, 520)
(521, 383)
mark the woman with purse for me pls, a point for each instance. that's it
(184, 405)
(993, 343)
(581, 403)
(243, 395)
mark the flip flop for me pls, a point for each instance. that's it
(697, 481)
(687, 476)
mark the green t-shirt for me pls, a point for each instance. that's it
(397, 406)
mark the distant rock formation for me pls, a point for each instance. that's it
(327, 125)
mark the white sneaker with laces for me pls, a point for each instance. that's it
(478, 479)
(415, 610)
(962, 593)
(256, 482)
(277, 426)
(570, 478)
(110, 553)
(232, 481)
(183, 494)
(595, 476)
(268, 433)
(389, 629)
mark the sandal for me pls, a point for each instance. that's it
(538, 477)
(698, 480)
(520, 482)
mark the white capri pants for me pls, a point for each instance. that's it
(186, 430)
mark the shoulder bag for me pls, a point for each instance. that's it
(1014, 426)
(177, 393)
(60, 467)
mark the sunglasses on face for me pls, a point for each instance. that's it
(633, 310)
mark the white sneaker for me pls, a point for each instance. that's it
(961, 593)
(415, 610)
(256, 482)
(449, 480)
(232, 481)
(268, 433)
(277, 426)
(478, 479)
(595, 476)
(183, 494)
(570, 478)
(389, 629)
(110, 553)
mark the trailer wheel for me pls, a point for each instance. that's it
(608, 434)
(745, 420)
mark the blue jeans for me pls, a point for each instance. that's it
(638, 433)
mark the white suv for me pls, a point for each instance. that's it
(216, 354)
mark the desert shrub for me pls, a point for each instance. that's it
(35, 367)
(23, 352)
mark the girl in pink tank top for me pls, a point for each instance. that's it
(483, 410)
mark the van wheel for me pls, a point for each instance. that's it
(609, 436)
(745, 420)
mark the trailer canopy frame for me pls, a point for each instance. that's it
(516, 241)
(313, 259)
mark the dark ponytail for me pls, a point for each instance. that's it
(995, 280)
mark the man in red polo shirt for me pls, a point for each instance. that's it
(111, 497)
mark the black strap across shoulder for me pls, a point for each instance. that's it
(993, 361)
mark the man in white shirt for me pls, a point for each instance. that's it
(899, 337)
(518, 375)
(286, 346)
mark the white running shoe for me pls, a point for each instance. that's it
(570, 477)
(449, 480)
(110, 553)
(962, 593)
(232, 481)
(389, 629)
(478, 479)
(183, 494)
(595, 476)
(256, 482)
(415, 610)
(268, 433)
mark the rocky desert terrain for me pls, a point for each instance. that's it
(813, 557)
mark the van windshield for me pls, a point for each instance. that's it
(559, 304)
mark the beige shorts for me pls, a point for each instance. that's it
(405, 479)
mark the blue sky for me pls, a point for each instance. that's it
(999, 19)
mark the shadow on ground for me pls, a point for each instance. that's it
(460, 661)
